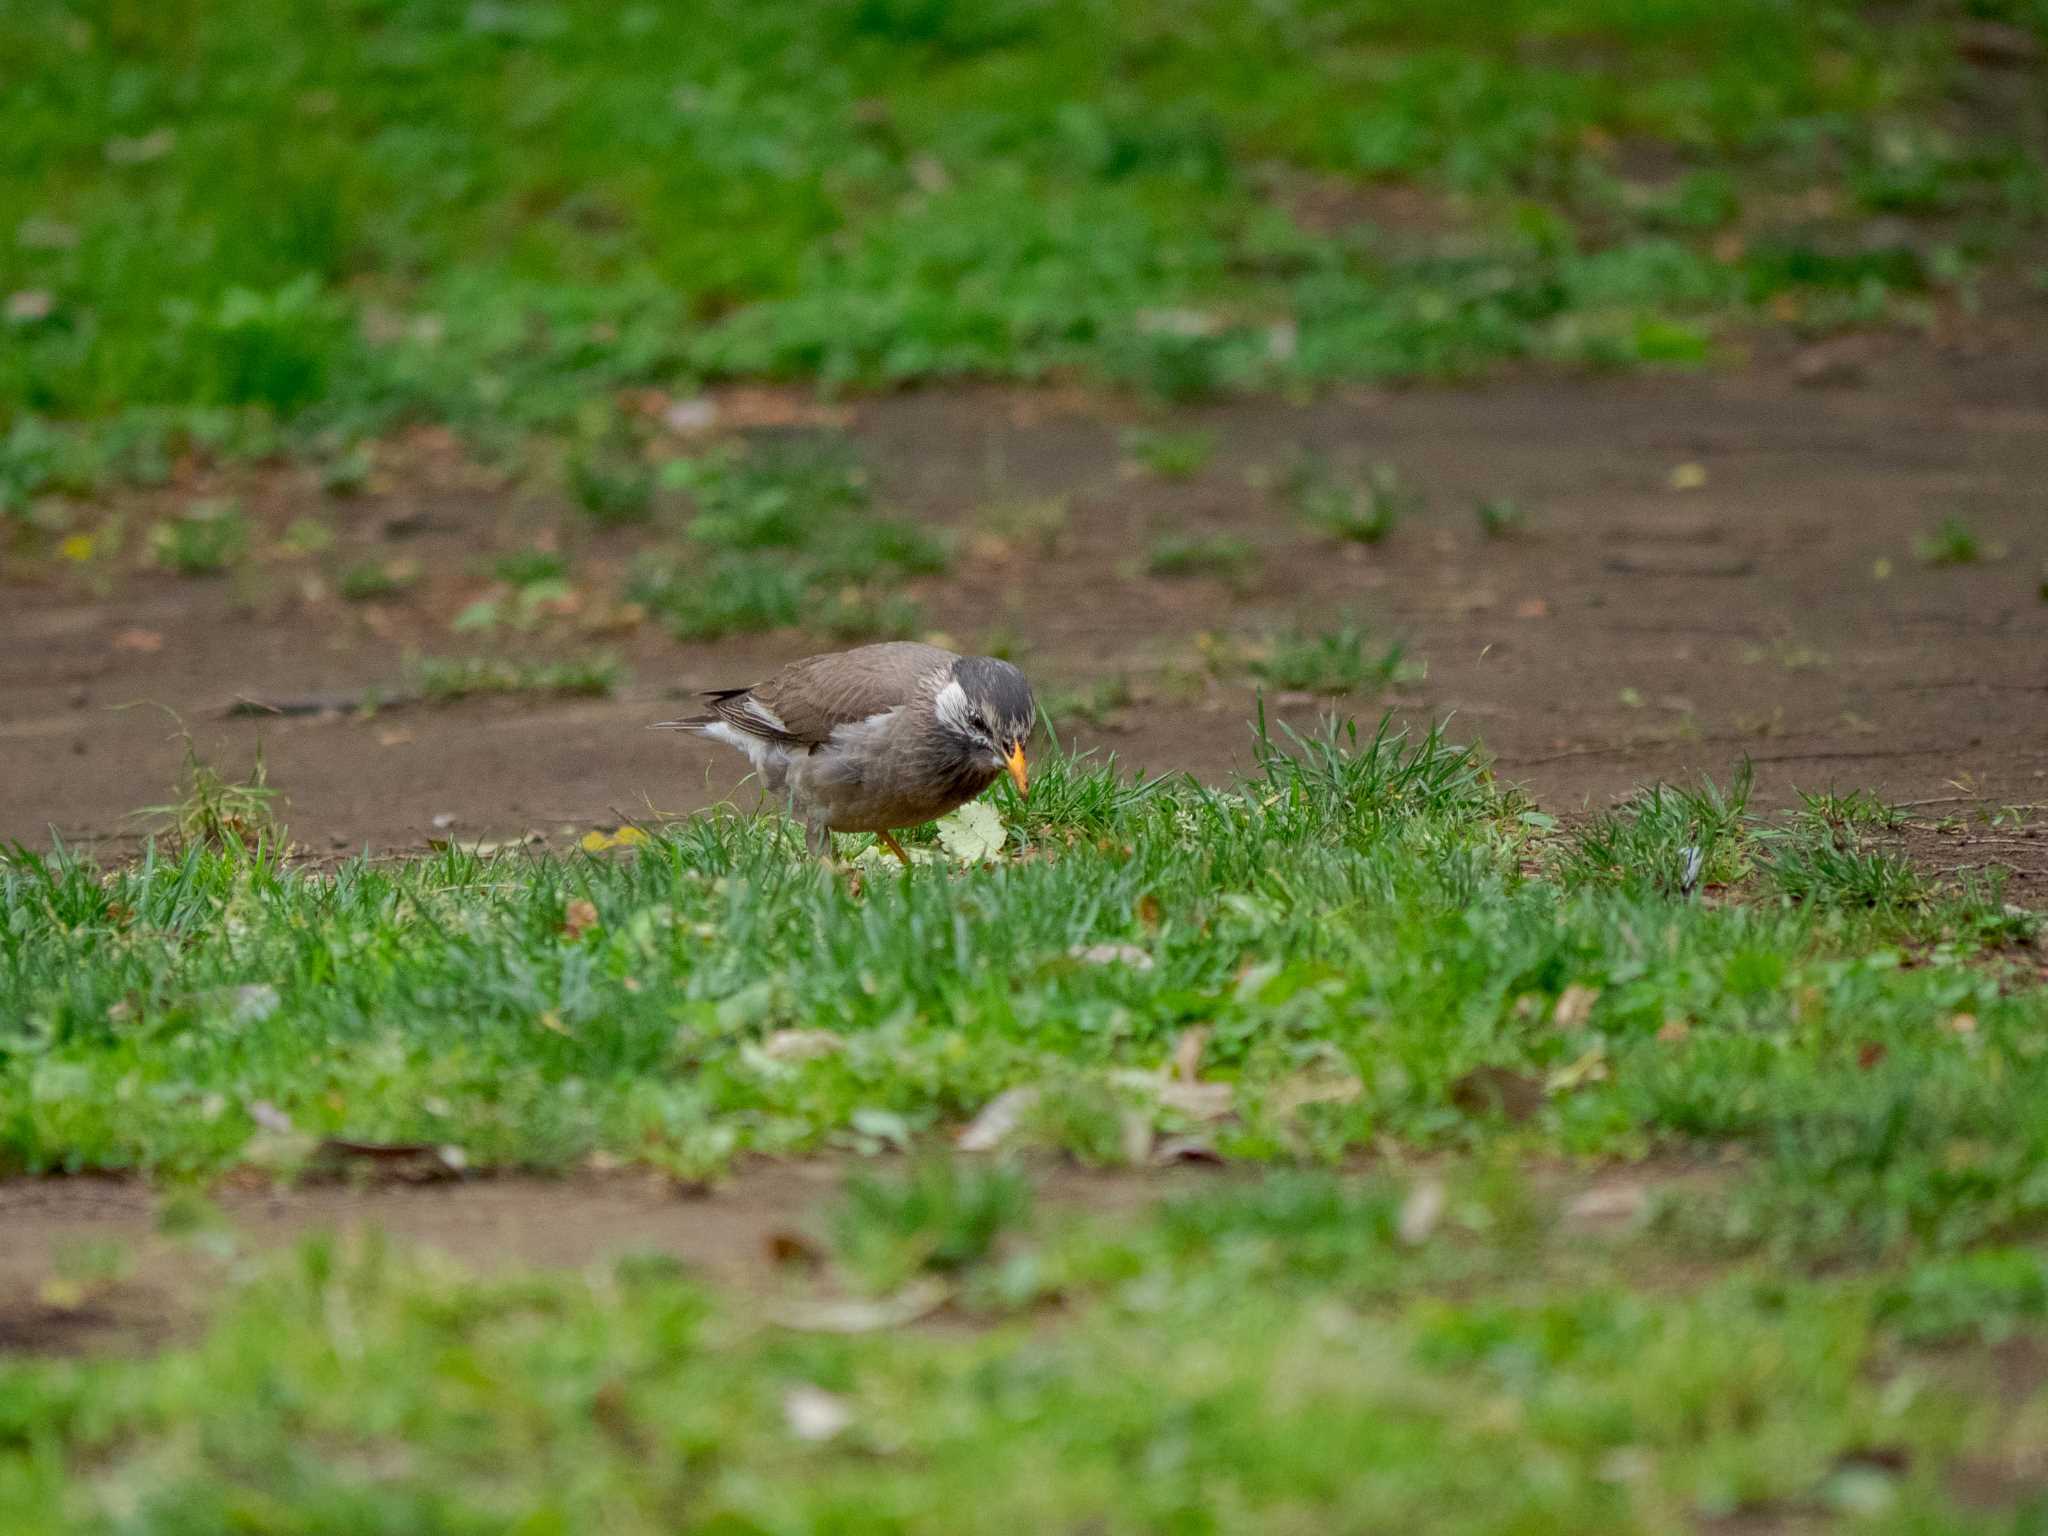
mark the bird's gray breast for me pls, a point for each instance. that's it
(889, 770)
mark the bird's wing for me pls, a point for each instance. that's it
(804, 703)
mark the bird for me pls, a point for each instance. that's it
(877, 737)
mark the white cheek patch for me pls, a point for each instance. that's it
(952, 708)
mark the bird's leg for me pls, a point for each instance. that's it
(818, 838)
(889, 842)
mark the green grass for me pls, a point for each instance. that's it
(1170, 455)
(1430, 1010)
(207, 538)
(1227, 557)
(1280, 1352)
(459, 677)
(1501, 517)
(1364, 911)
(1333, 661)
(501, 216)
(785, 534)
(1364, 509)
(377, 579)
(1953, 542)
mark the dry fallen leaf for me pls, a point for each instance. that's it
(1198, 1101)
(1688, 477)
(578, 918)
(1532, 608)
(999, 1120)
(1574, 1007)
(1326, 1086)
(919, 1299)
(801, 1044)
(1111, 954)
(1606, 1203)
(792, 1250)
(815, 1415)
(1420, 1212)
(1673, 1031)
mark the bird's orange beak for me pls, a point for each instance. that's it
(1019, 774)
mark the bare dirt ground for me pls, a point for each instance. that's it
(1637, 631)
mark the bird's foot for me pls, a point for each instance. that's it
(888, 841)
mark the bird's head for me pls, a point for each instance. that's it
(985, 710)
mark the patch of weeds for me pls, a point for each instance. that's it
(347, 473)
(1364, 510)
(854, 615)
(1095, 703)
(1828, 869)
(307, 536)
(1227, 557)
(458, 677)
(943, 1216)
(1669, 839)
(790, 539)
(613, 486)
(372, 581)
(732, 595)
(1855, 809)
(530, 567)
(872, 548)
(204, 540)
(1037, 524)
(1502, 517)
(210, 811)
(1332, 661)
(1170, 455)
(1953, 542)
(1086, 1119)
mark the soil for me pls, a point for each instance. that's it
(1637, 631)
(758, 1236)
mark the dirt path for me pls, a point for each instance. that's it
(1638, 631)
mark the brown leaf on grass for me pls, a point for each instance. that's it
(1962, 1024)
(1574, 1007)
(1149, 911)
(1674, 1031)
(1198, 1101)
(1420, 1212)
(998, 1120)
(917, 1300)
(1316, 1087)
(1870, 1054)
(578, 918)
(1515, 1095)
(1111, 954)
(801, 1044)
(1605, 1205)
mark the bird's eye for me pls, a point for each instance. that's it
(979, 723)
